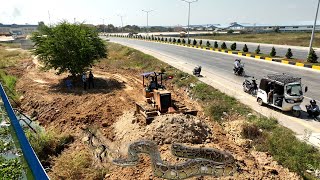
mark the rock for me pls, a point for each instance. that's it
(225, 113)
(250, 114)
(105, 124)
(107, 176)
(192, 85)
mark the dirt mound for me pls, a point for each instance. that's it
(164, 129)
(178, 128)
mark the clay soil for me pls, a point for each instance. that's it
(109, 108)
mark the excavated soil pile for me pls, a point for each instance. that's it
(178, 128)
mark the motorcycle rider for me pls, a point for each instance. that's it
(197, 70)
(313, 109)
(237, 65)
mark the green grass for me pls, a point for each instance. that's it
(48, 144)
(10, 168)
(294, 39)
(282, 144)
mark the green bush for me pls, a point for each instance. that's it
(166, 39)
(216, 44)
(194, 42)
(170, 39)
(233, 46)
(273, 52)
(257, 51)
(189, 41)
(230, 31)
(183, 41)
(200, 43)
(245, 48)
(174, 40)
(289, 54)
(179, 41)
(223, 45)
(208, 44)
(312, 57)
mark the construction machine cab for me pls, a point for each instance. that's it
(150, 82)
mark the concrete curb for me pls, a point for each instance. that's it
(278, 60)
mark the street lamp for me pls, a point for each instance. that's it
(121, 22)
(104, 26)
(147, 19)
(189, 2)
(314, 28)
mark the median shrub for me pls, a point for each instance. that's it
(223, 45)
(179, 41)
(233, 46)
(208, 44)
(312, 57)
(189, 41)
(174, 40)
(273, 52)
(170, 39)
(245, 48)
(194, 42)
(216, 44)
(257, 51)
(289, 54)
(200, 43)
(183, 41)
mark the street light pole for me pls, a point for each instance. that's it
(147, 20)
(104, 26)
(121, 22)
(189, 2)
(314, 28)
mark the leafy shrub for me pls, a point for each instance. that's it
(223, 45)
(245, 48)
(233, 46)
(216, 44)
(312, 57)
(289, 54)
(208, 44)
(194, 42)
(273, 52)
(257, 51)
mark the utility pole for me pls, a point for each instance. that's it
(147, 20)
(189, 2)
(314, 28)
(121, 22)
(104, 26)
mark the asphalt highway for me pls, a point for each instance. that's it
(223, 64)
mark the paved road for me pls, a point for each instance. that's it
(298, 52)
(218, 66)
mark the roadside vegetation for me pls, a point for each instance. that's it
(266, 133)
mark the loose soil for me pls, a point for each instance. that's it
(109, 108)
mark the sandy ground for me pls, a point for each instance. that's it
(109, 108)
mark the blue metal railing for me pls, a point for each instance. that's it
(33, 162)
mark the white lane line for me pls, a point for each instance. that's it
(275, 72)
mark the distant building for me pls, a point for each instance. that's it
(15, 29)
(304, 26)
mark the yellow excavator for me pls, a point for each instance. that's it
(157, 99)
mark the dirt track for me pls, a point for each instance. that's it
(104, 108)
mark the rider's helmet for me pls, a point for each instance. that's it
(237, 60)
(313, 102)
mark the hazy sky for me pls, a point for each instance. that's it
(167, 12)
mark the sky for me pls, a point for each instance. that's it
(166, 12)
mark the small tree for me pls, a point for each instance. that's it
(162, 39)
(183, 41)
(71, 48)
(223, 45)
(179, 41)
(230, 31)
(194, 42)
(258, 50)
(289, 54)
(273, 52)
(166, 39)
(216, 44)
(233, 46)
(170, 39)
(189, 41)
(245, 48)
(152, 38)
(174, 40)
(200, 42)
(312, 57)
(208, 44)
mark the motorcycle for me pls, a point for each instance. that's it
(313, 115)
(240, 71)
(250, 87)
(197, 71)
